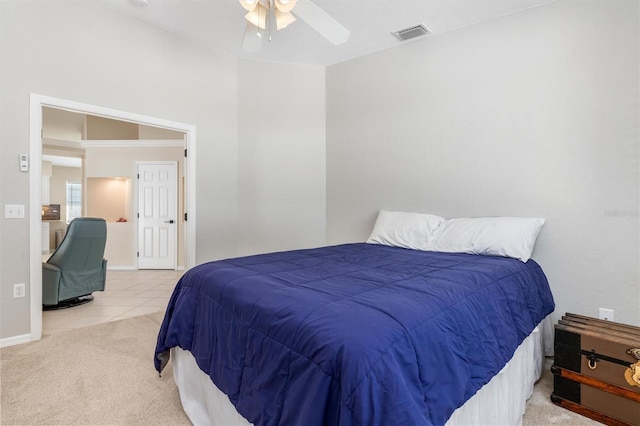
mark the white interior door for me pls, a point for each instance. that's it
(157, 215)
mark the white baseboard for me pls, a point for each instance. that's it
(15, 340)
(133, 268)
(120, 267)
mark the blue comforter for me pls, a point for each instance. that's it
(355, 334)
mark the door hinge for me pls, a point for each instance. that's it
(185, 217)
(137, 254)
(138, 215)
(185, 152)
(138, 176)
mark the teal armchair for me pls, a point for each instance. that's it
(77, 268)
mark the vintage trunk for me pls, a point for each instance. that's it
(597, 369)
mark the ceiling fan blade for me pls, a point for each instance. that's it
(252, 40)
(321, 21)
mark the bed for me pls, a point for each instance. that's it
(357, 334)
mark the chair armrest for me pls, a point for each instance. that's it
(50, 283)
(50, 267)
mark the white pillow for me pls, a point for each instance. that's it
(498, 236)
(402, 229)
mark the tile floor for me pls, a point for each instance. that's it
(127, 294)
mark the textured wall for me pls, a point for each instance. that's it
(532, 114)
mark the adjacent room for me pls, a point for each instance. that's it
(91, 168)
(384, 149)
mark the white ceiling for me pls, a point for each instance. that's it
(220, 24)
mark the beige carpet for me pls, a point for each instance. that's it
(98, 375)
(103, 375)
(541, 411)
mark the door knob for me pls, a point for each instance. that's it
(168, 221)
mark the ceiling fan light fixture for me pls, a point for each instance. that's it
(283, 19)
(273, 15)
(285, 5)
(258, 17)
(249, 5)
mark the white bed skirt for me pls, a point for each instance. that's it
(502, 401)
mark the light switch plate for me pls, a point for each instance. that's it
(14, 211)
(24, 163)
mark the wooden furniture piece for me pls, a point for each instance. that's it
(597, 369)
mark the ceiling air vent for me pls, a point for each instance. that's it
(411, 32)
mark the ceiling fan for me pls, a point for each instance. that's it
(264, 15)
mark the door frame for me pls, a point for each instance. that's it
(37, 102)
(136, 206)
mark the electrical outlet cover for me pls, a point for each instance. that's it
(605, 314)
(19, 290)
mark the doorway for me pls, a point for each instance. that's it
(38, 102)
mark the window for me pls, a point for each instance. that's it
(74, 200)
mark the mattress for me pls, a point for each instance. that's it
(376, 334)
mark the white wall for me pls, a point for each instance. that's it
(86, 53)
(281, 156)
(533, 114)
